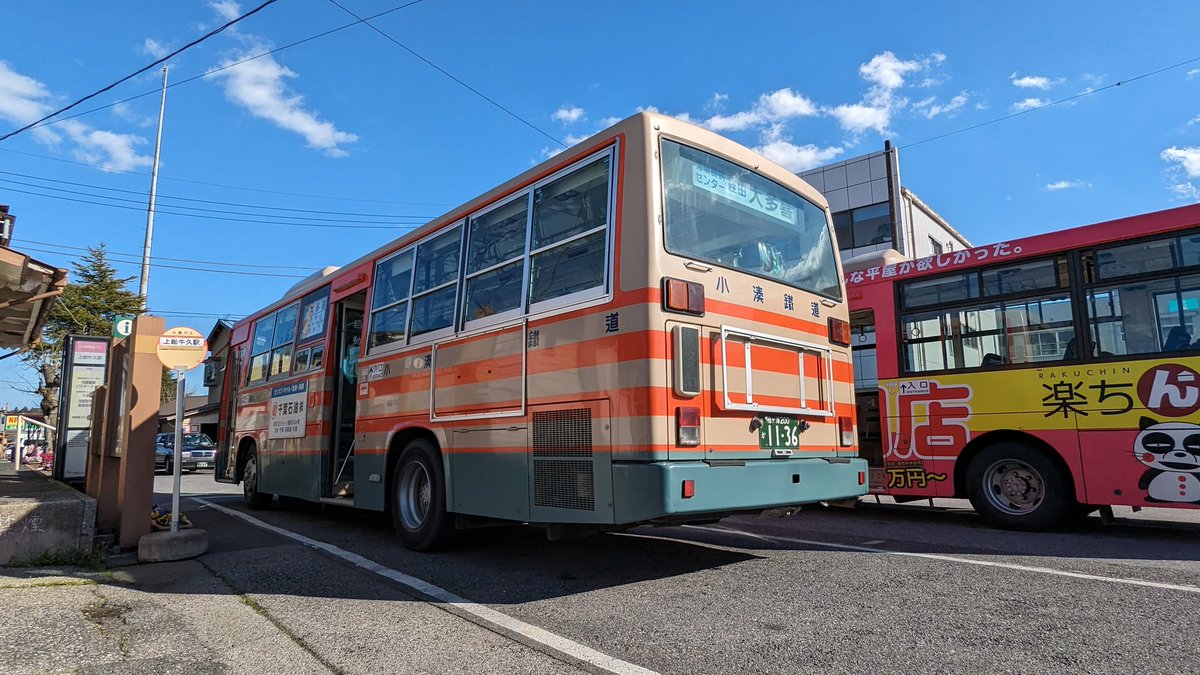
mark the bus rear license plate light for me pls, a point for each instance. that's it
(689, 489)
(839, 332)
(683, 296)
(846, 431)
(687, 425)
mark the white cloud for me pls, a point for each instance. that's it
(781, 104)
(716, 102)
(859, 117)
(153, 48)
(1067, 185)
(797, 158)
(24, 100)
(1188, 159)
(887, 75)
(106, 149)
(1035, 81)
(1193, 72)
(887, 71)
(127, 113)
(1028, 104)
(227, 9)
(930, 108)
(574, 139)
(1185, 192)
(686, 117)
(259, 86)
(569, 114)
(609, 121)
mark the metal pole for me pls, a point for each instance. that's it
(143, 287)
(178, 464)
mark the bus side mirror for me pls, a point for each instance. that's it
(212, 371)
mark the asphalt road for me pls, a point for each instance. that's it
(878, 588)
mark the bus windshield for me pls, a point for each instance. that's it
(721, 213)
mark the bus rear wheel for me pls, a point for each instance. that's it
(250, 493)
(419, 498)
(1016, 487)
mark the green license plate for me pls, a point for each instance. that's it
(779, 432)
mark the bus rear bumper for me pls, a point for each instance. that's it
(645, 491)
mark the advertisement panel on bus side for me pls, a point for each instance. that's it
(1118, 423)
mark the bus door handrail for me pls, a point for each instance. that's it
(821, 352)
(523, 322)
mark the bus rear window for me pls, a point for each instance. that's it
(721, 213)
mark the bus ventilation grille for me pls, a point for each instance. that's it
(562, 460)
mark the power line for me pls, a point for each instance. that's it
(441, 70)
(226, 186)
(1043, 106)
(139, 71)
(397, 226)
(115, 260)
(186, 260)
(201, 210)
(211, 201)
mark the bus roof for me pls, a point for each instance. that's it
(1132, 227)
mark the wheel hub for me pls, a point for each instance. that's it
(1014, 487)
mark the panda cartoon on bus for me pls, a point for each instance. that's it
(1171, 453)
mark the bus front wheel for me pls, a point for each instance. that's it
(419, 498)
(250, 493)
(1016, 487)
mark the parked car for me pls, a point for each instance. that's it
(198, 452)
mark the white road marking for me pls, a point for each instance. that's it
(555, 642)
(872, 542)
(947, 558)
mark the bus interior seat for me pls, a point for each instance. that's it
(1072, 351)
(1177, 340)
(991, 359)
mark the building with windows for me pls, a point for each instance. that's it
(874, 212)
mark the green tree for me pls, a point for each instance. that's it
(88, 306)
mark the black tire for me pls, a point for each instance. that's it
(253, 497)
(418, 498)
(1017, 487)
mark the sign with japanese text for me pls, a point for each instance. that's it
(90, 353)
(10, 422)
(84, 380)
(288, 413)
(943, 261)
(1100, 414)
(742, 193)
(182, 348)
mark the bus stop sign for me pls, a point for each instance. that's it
(181, 348)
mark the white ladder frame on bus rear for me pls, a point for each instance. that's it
(821, 352)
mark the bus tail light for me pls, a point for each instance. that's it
(687, 423)
(846, 431)
(689, 489)
(839, 332)
(686, 297)
(862, 477)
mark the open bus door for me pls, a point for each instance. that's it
(339, 469)
(866, 396)
(224, 470)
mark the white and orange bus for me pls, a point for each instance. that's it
(1042, 378)
(648, 327)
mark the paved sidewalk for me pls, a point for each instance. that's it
(175, 617)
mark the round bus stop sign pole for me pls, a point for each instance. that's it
(180, 349)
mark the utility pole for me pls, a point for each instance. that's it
(143, 287)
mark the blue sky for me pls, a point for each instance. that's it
(361, 137)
